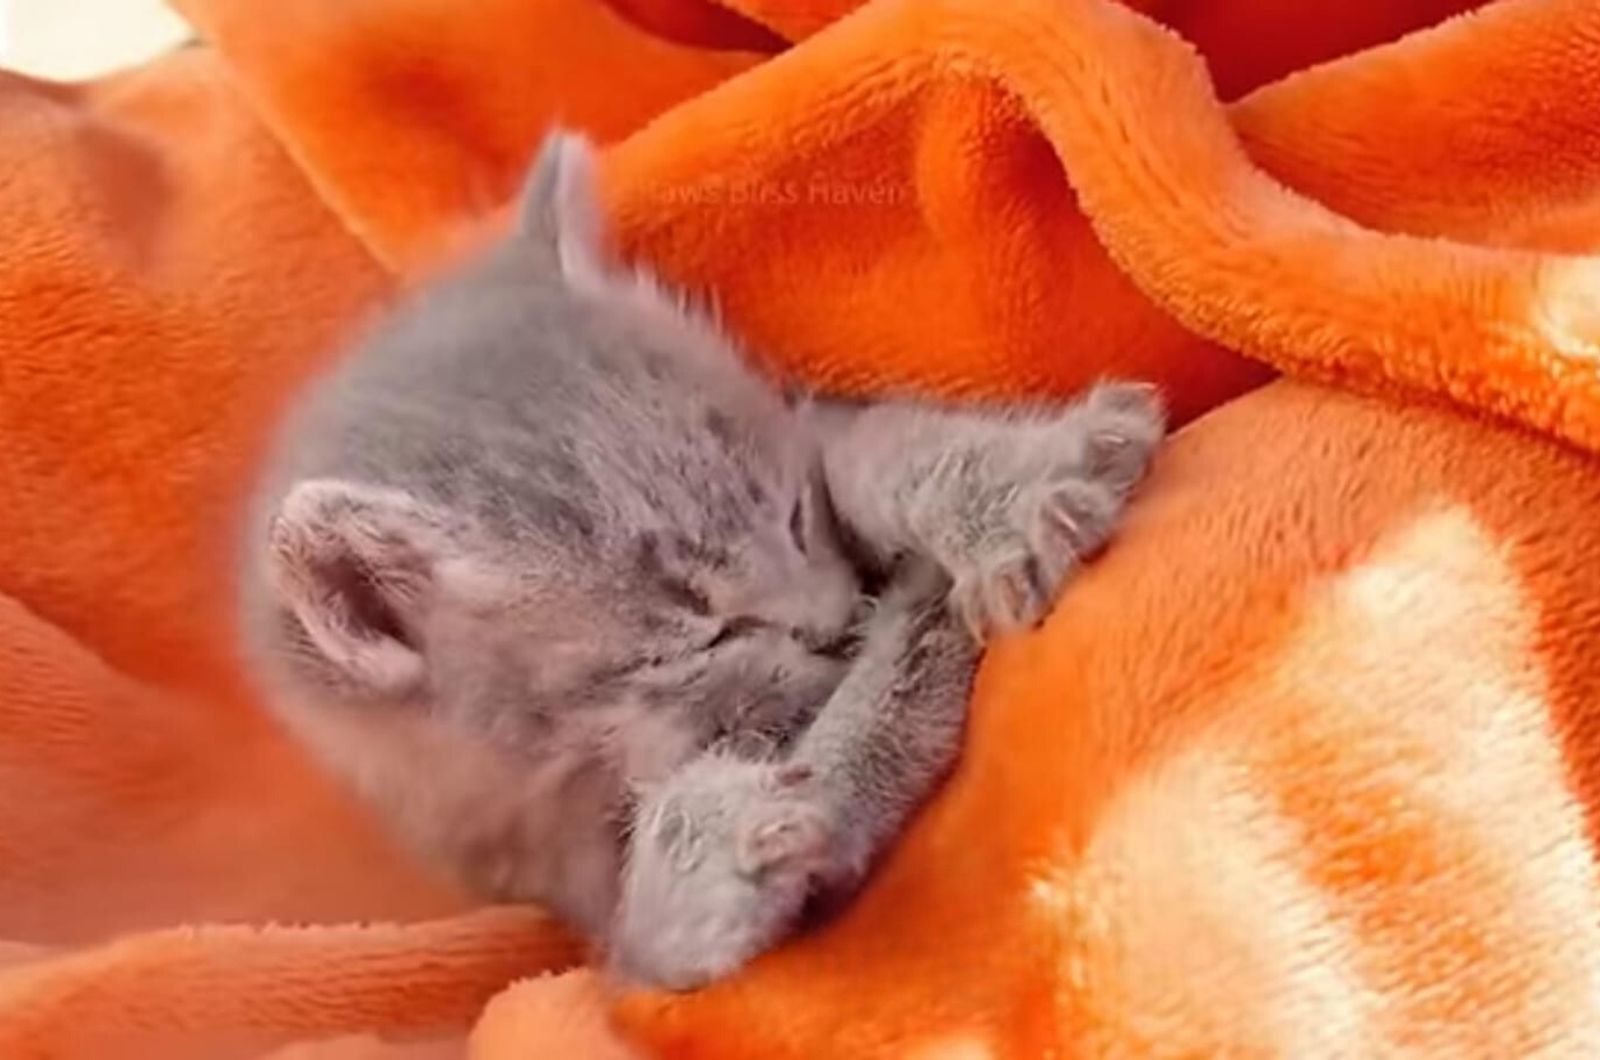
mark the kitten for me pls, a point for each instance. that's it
(599, 618)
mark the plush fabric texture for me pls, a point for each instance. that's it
(1306, 766)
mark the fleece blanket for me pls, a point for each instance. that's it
(1307, 766)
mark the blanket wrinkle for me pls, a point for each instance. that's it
(410, 127)
(700, 23)
(1306, 765)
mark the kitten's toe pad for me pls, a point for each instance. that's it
(1010, 584)
(1124, 422)
(787, 835)
(1010, 594)
(1072, 521)
(1142, 400)
(1060, 511)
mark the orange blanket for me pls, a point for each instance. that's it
(1307, 766)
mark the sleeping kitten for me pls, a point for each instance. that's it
(599, 618)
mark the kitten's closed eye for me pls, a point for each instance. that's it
(734, 628)
(840, 645)
(834, 644)
(811, 520)
(797, 523)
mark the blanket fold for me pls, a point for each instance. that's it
(1305, 766)
(153, 992)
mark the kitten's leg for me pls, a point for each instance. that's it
(727, 852)
(1007, 501)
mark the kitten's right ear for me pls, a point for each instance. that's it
(357, 568)
(559, 214)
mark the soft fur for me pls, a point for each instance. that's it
(1306, 766)
(580, 601)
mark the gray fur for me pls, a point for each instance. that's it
(729, 852)
(599, 619)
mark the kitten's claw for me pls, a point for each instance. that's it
(1009, 595)
(1072, 521)
(1010, 584)
(723, 858)
(1057, 512)
(1126, 421)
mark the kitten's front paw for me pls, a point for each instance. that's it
(721, 862)
(1124, 422)
(1009, 583)
(1060, 509)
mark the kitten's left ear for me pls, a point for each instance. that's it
(357, 567)
(559, 214)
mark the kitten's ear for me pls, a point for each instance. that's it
(357, 567)
(559, 215)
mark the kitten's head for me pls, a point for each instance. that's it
(671, 577)
(738, 620)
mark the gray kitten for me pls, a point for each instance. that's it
(600, 618)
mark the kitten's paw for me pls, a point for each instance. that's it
(1010, 581)
(722, 860)
(1058, 510)
(1123, 424)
